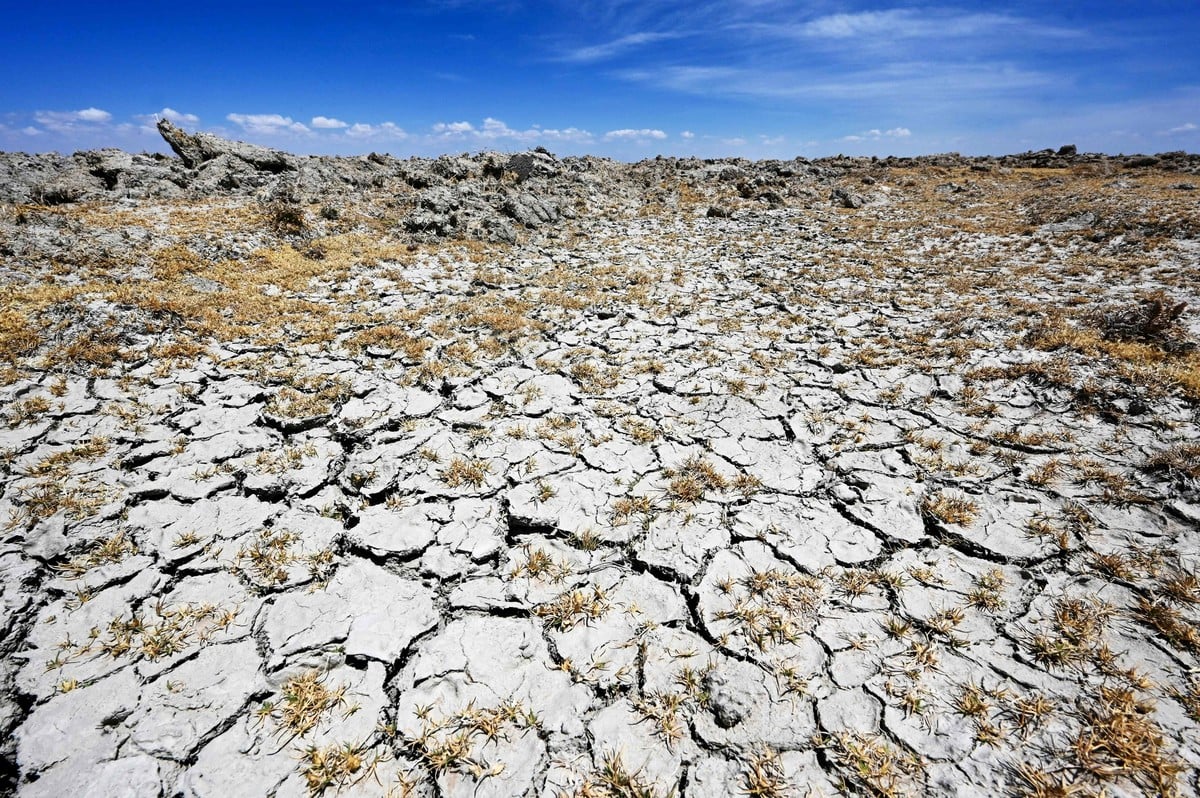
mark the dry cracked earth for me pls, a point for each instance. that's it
(541, 477)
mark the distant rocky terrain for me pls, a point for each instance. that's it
(517, 475)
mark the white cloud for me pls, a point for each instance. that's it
(627, 134)
(493, 130)
(149, 121)
(388, 130)
(599, 52)
(178, 117)
(687, 134)
(1186, 127)
(267, 124)
(93, 115)
(31, 131)
(450, 129)
(845, 26)
(327, 123)
(67, 121)
(875, 134)
(913, 23)
(574, 134)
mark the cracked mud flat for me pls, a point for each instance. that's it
(465, 477)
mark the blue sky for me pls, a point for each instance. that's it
(758, 78)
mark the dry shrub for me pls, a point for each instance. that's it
(1151, 319)
(286, 218)
(1179, 463)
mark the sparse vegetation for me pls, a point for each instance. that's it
(871, 765)
(951, 509)
(462, 471)
(772, 607)
(159, 633)
(304, 701)
(916, 445)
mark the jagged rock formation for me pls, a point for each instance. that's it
(197, 149)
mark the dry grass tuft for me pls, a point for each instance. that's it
(1161, 614)
(306, 700)
(1120, 741)
(160, 633)
(453, 743)
(269, 559)
(763, 776)
(574, 607)
(690, 481)
(772, 607)
(1179, 463)
(950, 509)
(113, 550)
(540, 564)
(1076, 635)
(614, 780)
(1153, 319)
(336, 766)
(464, 471)
(868, 764)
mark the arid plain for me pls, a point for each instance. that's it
(502, 475)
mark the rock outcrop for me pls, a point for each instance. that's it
(196, 149)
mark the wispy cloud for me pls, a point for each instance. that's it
(148, 121)
(931, 31)
(493, 130)
(912, 23)
(386, 130)
(179, 117)
(615, 47)
(1186, 127)
(267, 124)
(875, 134)
(68, 121)
(327, 123)
(896, 82)
(628, 134)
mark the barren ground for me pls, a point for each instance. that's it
(309, 493)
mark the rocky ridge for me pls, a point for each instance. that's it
(518, 475)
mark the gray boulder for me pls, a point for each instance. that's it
(846, 199)
(196, 148)
(535, 163)
(530, 211)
